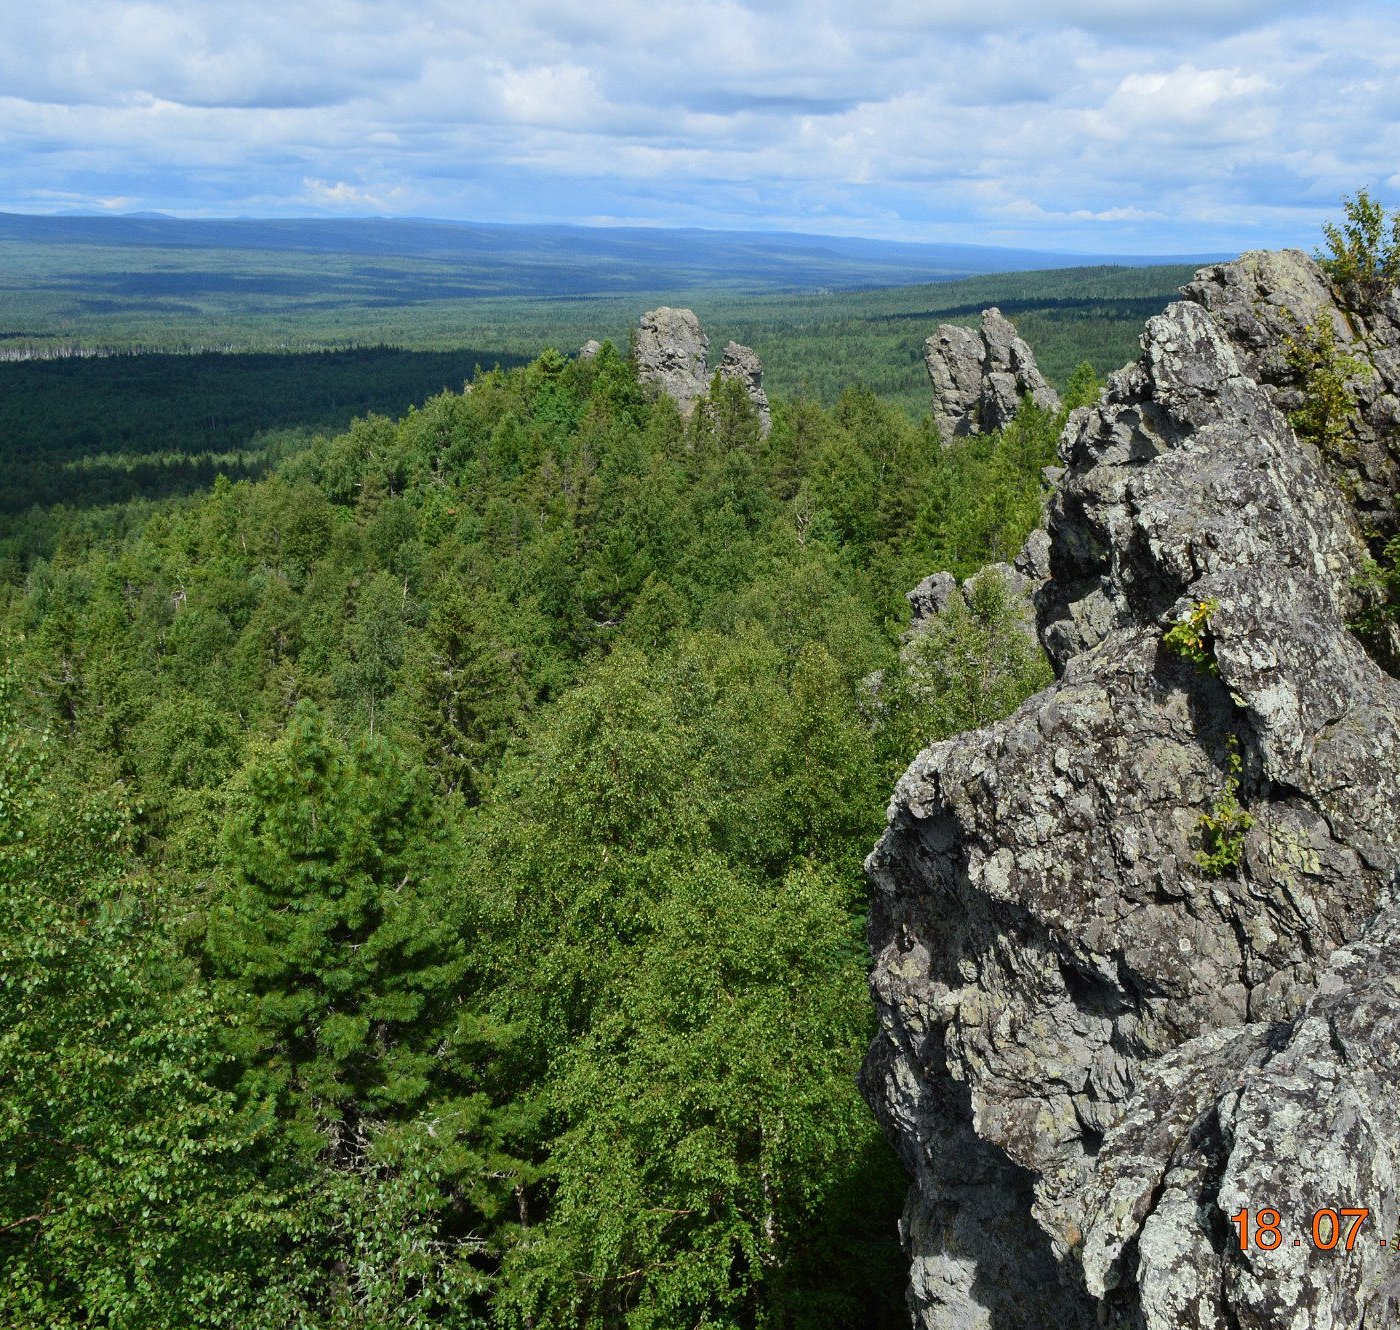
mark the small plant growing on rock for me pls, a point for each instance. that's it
(1327, 413)
(1380, 583)
(1363, 262)
(1191, 638)
(1224, 824)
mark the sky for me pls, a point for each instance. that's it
(1090, 126)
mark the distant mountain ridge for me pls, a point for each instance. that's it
(573, 260)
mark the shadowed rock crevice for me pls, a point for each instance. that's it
(1080, 1010)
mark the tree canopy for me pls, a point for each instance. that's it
(432, 872)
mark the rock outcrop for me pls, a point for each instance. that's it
(938, 592)
(1135, 945)
(931, 598)
(1266, 301)
(980, 375)
(742, 365)
(672, 351)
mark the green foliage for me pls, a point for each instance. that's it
(707, 1117)
(1224, 824)
(812, 345)
(1327, 413)
(135, 1192)
(497, 782)
(977, 661)
(1083, 388)
(466, 688)
(86, 437)
(1379, 584)
(978, 506)
(92, 432)
(335, 939)
(1363, 259)
(345, 959)
(1190, 638)
(681, 856)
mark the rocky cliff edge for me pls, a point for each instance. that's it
(1136, 945)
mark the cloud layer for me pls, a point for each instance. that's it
(1155, 126)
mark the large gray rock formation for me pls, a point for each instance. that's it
(672, 351)
(1094, 1052)
(980, 375)
(1263, 302)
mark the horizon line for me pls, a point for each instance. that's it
(153, 215)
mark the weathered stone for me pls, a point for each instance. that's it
(1033, 562)
(931, 597)
(742, 364)
(589, 349)
(1094, 1050)
(954, 357)
(670, 353)
(1182, 468)
(1264, 300)
(980, 376)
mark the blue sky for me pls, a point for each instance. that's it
(1161, 126)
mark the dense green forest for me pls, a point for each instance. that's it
(824, 313)
(813, 342)
(431, 872)
(85, 438)
(163, 283)
(89, 445)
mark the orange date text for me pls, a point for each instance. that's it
(1329, 1227)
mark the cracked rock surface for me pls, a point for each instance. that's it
(671, 353)
(1093, 1052)
(979, 376)
(741, 363)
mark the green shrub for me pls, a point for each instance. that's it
(1083, 388)
(1363, 262)
(1327, 413)
(1379, 583)
(1224, 824)
(1191, 638)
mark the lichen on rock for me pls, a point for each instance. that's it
(1092, 1052)
(671, 354)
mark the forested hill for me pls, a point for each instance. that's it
(430, 875)
(475, 258)
(82, 438)
(158, 284)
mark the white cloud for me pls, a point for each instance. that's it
(563, 95)
(341, 195)
(1162, 124)
(1206, 105)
